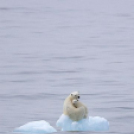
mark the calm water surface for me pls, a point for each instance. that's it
(50, 48)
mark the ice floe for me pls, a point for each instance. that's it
(36, 127)
(89, 124)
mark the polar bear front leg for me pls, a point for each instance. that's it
(76, 114)
(80, 112)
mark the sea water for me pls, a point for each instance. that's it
(50, 48)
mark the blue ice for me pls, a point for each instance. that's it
(89, 124)
(40, 127)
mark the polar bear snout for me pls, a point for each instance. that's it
(77, 97)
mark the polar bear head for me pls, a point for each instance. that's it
(75, 95)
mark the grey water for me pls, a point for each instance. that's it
(50, 48)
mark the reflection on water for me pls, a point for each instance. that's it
(49, 49)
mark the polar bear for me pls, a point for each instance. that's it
(74, 108)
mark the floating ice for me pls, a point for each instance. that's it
(89, 124)
(36, 127)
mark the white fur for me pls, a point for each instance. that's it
(76, 111)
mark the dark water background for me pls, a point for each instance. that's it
(50, 48)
